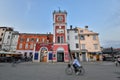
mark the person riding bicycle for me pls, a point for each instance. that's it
(76, 64)
(118, 59)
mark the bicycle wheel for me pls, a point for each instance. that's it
(69, 71)
(81, 71)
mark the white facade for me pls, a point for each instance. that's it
(7, 41)
(2, 34)
(14, 41)
(10, 41)
(72, 36)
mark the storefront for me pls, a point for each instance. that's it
(43, 52)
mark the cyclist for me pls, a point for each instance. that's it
(118, 59)
(76, 65)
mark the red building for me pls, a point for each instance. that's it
(27, 42)
(60, 46)
(43, 52)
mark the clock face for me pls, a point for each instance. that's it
(60, 18)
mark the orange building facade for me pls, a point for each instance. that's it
(27, 42)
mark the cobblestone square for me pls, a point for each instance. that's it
(56, 71)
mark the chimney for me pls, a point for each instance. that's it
(49, 32)
(70, 26)
(86, 27)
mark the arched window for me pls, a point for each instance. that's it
(58, 39)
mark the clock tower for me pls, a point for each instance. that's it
(60, 46)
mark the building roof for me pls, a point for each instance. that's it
(34, 34)
(7, 28)
(86, 31)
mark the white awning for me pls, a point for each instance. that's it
(3, 52)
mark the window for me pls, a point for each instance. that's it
(37, 40)
(21, 39)
(96, 46)
(82, 46)
(68, 37)
(40, 39)
(81, 31)
(28, 39)
(32, 39)
(0, 46)
(58, 39)
(82, 37)
(0, 39)
(76, 37)
(9, 32)
(77, 46)
(2, 34)
(43, 39)
(20, 46)
(8, 37)
(26, 46)
(31, 46)
(75, 31)
(62, 39)
(94, 37)
(3, 29)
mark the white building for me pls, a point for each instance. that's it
(2, 34)
(7, 41)
(10, 41)
(73, 41)
(14, 41)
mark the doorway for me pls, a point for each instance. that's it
(83, 56)
(60, 56)
(43, 54)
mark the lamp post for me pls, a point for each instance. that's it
(112, 53)
(34, 52)
(79, 45)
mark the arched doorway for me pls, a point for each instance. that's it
(60, 55)
(43, 54)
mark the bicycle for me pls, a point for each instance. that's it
(14, 63)
(70, 70)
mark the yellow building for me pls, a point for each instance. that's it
(89, 45)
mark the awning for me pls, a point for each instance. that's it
(84, 50)
(3, 52)
(95, 52)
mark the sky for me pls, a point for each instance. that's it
(35, 16)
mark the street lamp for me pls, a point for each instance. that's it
(112, 53)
